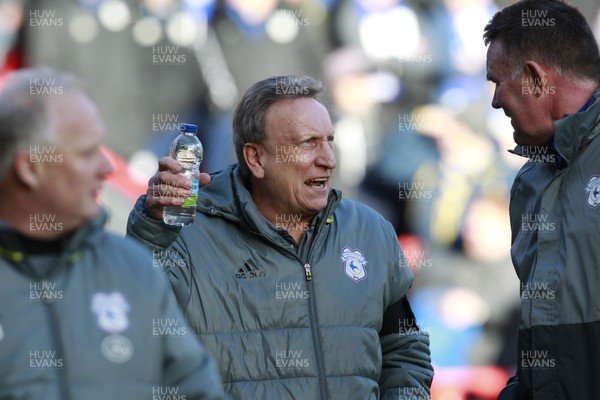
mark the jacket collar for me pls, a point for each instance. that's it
(573, 132)
(12, 250)
(227, 197)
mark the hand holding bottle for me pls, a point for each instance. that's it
(173, 190)
(168, 188)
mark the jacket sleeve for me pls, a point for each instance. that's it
(189, 370)
(406, 368)
(152, 233)
(511, 391)
(169, 252)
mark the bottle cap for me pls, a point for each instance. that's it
(189, 128)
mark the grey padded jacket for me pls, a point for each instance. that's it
(321, 321)
(555, 220)
(102, 324)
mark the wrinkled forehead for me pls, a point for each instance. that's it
(298, 115)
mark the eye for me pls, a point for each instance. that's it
(309, 142)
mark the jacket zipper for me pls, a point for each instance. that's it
(312, 315)
(55, 337)
(312, 311)
(307, 272)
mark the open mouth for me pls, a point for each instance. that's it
(317, 183)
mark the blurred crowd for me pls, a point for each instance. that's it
(416, 137)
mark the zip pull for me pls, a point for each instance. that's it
(307, 272)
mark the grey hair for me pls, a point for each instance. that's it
(249, 124)
(25, 118)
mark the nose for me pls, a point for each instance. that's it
(326, 157)
(495, 102)
(105, 167)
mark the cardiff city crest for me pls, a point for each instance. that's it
(354, 264)
(112, 311)
(593, 190)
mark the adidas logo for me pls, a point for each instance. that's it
(250, 270)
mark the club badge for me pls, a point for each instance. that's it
(111, 309)
(354, 264)
(593, 190)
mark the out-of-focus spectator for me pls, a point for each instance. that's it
(80, 309)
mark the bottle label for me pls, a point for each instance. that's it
(191, 200)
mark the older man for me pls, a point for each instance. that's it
(83, 315)
(545, 63)
(297, 292)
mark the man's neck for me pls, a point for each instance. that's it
(28, 218)
(294, 223)
(571, 96)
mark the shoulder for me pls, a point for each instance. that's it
(126, 258)
(355, 211)
(115, 245)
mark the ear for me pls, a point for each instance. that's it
(27, 172)
(253, 154)
(537, 79)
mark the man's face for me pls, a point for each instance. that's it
(525, 105)
(71, 187)
(298, 157)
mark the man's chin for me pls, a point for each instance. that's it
(523, 139)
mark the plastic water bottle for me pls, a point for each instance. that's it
(187, 149)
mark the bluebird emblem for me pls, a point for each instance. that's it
(593, 190)
(354, 264)
(111, 309)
